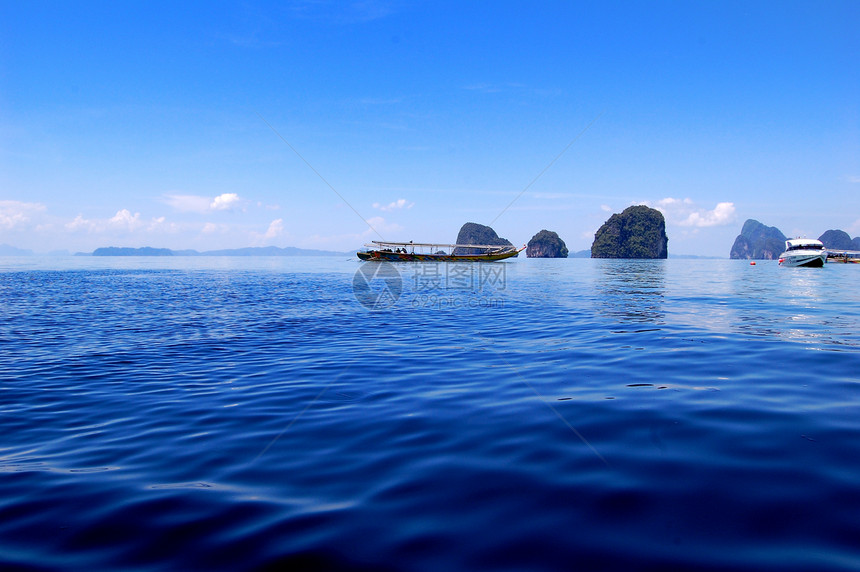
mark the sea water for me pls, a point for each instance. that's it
(323, 413)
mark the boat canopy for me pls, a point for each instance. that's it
(803, 244)
(379, 243)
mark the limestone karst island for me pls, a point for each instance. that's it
(638, 232)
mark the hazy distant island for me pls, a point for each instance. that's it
(250, 251)
(637, 232)
(546, 244)
(7, 250)
(122, 251)
(759, 242)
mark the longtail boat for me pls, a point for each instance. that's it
(845, 256)
(431, 252)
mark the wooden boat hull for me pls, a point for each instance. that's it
(411, 257)
(843, 257)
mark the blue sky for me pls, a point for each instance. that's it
(147, 124)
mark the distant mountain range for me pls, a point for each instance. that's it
(249, 251)
(7, 250)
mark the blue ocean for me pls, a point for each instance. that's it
(327, 414)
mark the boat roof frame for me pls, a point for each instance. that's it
(438, 244)
(794, 241)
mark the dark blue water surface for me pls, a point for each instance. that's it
(527, 415)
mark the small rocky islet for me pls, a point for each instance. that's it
(474, 233)
(637, 232)
(546, 244)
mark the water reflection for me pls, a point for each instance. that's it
(804, 287)
(791, 304)
(781, 303)
(631, 291)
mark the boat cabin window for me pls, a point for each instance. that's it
(806, 247)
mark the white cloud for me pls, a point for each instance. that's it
(396, 205)
(202, 205)
(160, 224)
(670, 202)
(123, 219)
(606, 208)
(684, 212)
(721, 215)
(276, 229)
(853, 179)
(15, 213)
(224, 202)
(80, 223)
(209, 228)
(855, 227)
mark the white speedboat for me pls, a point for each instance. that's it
(803, 252)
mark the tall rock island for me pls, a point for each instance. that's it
(758, 242)
(474, 233)
(638, 232)
(836, 240)
(546, 244)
